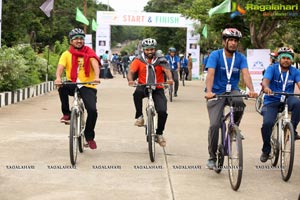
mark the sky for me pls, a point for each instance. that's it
(127, 5)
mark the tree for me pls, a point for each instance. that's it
(258, 27)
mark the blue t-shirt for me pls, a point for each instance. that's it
(216, 61)
(184, 63)
(272, 73)
(173, 61)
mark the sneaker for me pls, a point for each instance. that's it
(264, 157)
(139, 121)
(175, 95)
(211, 164)
(160, 140)
(65, 119)
(92, 144)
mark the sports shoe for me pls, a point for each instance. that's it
(139, 121)
(160, 140)
(65, 119)
(264, 157)
(92, 144)
(211, 164)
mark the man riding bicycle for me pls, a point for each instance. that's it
(174, 62)
(150, 69)
(82, 65)
(223, 75)
(279, 77)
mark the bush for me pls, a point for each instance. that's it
(20, 67)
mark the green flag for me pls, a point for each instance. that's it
(94, 25)
(204, 31)
(81, 18)
(224, 7)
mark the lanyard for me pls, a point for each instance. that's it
(228, 71)
(286, 78)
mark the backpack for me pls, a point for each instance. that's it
(162, 61)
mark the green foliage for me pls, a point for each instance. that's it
(19, 67)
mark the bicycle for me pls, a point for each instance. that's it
(282, 140)
(77, 124)
(230, 144)
(150, 126)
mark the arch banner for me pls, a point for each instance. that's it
(106, 19)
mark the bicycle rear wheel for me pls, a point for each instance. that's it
(274, 146)
(73, 137)
(235, 158)
(287, 152)
(220, 150)
(151, 135)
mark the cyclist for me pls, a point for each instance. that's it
(105, 58)
(273, 58)
(174, 62)
(82, 65)
(150, 69)
(279, 77)
(125, 63)
(223, 75)
(183, 67)
(190, 66)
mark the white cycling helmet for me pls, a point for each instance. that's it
(287, 50)
(149, 43)
(231, 33)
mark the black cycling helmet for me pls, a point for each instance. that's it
(172, 49)
(149, 43)
(76, 32)
(231, 33)
(287, 50)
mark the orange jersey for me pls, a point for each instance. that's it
(141, 68)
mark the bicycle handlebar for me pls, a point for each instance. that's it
(78, 83)
(285, 93)
(220, 96)
(150, 84)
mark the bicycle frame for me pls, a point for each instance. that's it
(79, 107)
(225, 133)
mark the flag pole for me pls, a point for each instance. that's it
(84, 10)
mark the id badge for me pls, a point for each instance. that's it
(282, 98)
(228, 87)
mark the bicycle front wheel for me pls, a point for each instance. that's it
(287, 152)
(235, 158)
(81, 139)
(259, 102)
(171, 93)
(73, 137)
(183, 78)
(151, 135)
(274, 146)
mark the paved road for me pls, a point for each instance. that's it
(35, 162)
